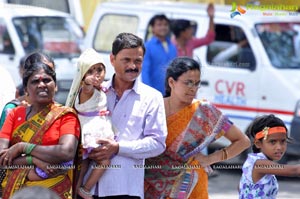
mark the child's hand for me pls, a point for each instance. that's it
(45, 166)
(32, 176)
(93, 81)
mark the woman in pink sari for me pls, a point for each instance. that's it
(181, 171)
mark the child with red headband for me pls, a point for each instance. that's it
(269, 137)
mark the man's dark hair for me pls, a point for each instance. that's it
(158, 17)
(127, 41)
(180, 25)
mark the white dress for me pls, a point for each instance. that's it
(94, 120)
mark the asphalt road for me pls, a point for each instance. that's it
(224, 185)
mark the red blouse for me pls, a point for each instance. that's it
(66, 124)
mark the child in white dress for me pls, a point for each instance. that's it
(269, 142)
(89, 99)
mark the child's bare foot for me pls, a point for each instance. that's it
(84, 193)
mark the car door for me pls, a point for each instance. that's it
(230, 74)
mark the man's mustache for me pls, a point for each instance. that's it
(132, 70)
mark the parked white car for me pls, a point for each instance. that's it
(24, 29)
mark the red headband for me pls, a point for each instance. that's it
(268, 131)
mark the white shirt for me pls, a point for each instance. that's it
(140, 124)
(7, 87)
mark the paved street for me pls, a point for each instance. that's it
(224, 186)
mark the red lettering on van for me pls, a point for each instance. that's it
(240, 88)
(229, 87)
(223, 86)
(217, 86)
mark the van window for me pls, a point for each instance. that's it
(55, 35)
(6, 45)
(110, 26)
(230, 49)
(282, 43)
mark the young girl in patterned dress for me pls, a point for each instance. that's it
(269, 137)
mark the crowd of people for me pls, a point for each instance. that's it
(99, 143)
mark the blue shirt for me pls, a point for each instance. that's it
(156, 61)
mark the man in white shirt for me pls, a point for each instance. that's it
(138, 115)
(7, 87)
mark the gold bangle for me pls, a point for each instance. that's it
(224, 154)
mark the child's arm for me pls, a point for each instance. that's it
(263, 167)
(45, 170)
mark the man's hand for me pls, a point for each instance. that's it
(107, 150)
(211, 10)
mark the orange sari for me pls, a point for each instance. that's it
(173, 176)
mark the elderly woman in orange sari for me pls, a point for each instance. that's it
(38, 143)
(181, 171)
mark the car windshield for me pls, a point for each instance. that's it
(57, 36)
(282, 43)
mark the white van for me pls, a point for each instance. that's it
(24, 29)
(72, 7)
(261, 77)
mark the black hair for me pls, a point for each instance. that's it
(180, 25)
(177, 67)
(159, 17)
(259, 123)
(37, 56)
(30, 69)
(127, 41)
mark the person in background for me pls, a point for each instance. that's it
(20, 89)
(20, 97)
(88, 98)
(40, 137)
(138, 117)
(159, 53)
(269, 137)
(7, 45)
(183, 31)
(192, 125)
